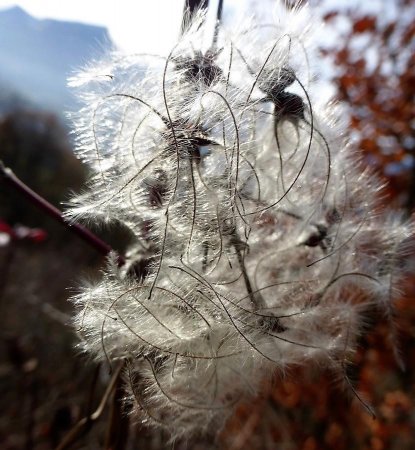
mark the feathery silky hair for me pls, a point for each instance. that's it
(258, 241)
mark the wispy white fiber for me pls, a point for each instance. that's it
(258, 241)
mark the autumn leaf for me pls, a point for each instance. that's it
(367, 23)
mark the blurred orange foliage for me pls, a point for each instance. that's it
(306, 411)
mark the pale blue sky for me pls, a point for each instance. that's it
(133, 25)
(136, 25)
(152, 24)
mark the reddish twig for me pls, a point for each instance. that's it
(84, 425)
(7, 175)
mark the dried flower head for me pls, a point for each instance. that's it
(258, 239)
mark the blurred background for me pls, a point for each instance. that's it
(367, 62)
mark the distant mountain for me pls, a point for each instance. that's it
(11, 100)
(37, 56)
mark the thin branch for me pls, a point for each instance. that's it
(84, 425)
(7, 175)
(117, 431)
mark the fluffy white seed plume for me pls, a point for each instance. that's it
(258, 241)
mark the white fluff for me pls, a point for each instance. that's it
(257, 226)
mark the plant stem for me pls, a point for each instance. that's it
(191, 6)
(84, 425)
(218, 22)
(7, 175)
(256, 301)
